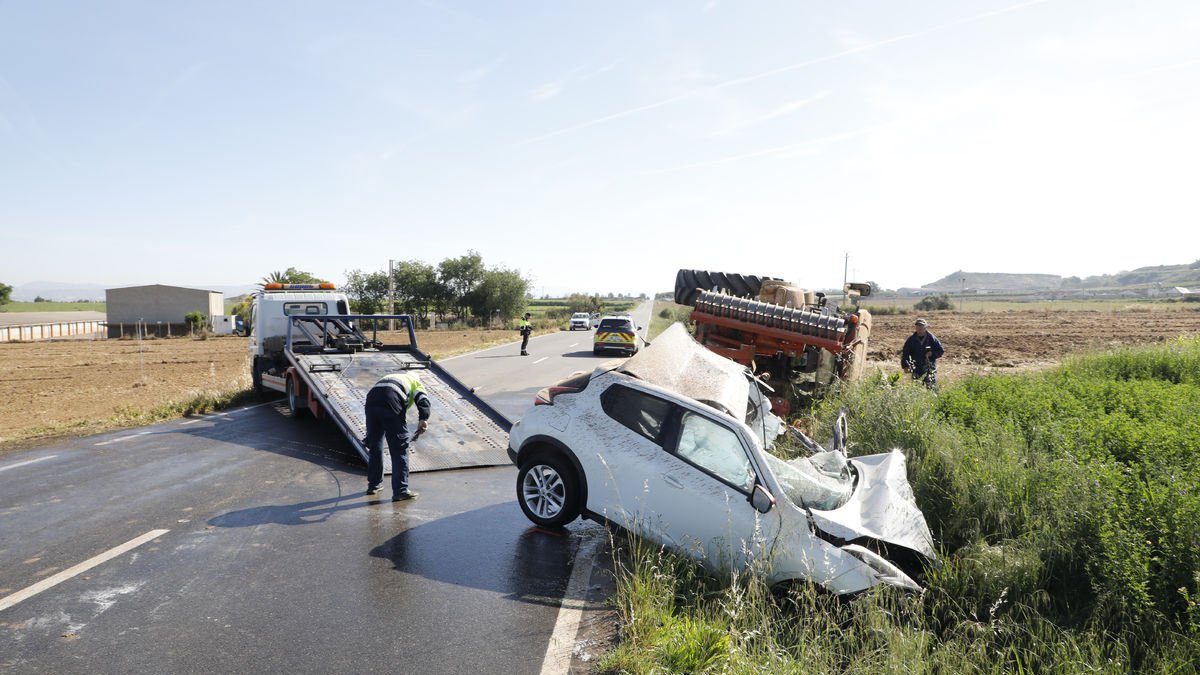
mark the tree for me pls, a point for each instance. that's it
(581, 302)
(196, 321)
(460, 276)
(500, 292)
(368, 292)
(291, 276)
(5, 294)
(417, 288)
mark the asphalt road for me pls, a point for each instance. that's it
(242, 541)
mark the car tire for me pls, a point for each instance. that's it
(595, 351)
(548, 490)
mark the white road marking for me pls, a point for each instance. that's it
(82, 567)
(192, 421)
(123, 438)
(540, 360)
(32, 461)
(562, 641)
(573, 344)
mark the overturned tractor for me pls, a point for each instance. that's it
(796, 340)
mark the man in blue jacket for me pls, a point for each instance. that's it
(387, 407)
(921, 351)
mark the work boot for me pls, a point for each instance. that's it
(404, 496)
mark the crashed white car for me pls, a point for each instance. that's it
(581, 321)
(670, 445)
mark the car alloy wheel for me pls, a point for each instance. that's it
(546, 491)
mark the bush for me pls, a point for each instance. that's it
(934, 303)
(196, 321)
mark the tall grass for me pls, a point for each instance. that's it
(1066, 506)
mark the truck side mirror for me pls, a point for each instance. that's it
(762, 500)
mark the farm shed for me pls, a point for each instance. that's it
(161, 310)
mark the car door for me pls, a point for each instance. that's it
(698, 503)
(625, 435)
(701, 493)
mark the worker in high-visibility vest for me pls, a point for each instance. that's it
(526, 330)
(387, 407)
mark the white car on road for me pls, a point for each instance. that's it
(580, 321)
(664, 446)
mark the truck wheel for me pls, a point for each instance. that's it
(548, 491)
(256, 377)
(688, 283)
(295, 406)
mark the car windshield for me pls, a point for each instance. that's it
(823, 481)
(616, 324)
(579, 316)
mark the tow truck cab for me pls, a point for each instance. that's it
(269, 317)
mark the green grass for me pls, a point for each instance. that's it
(15, 307)
(1066, 505)
(664, 314)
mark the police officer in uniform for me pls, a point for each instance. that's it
(387, 407)
(526, 330)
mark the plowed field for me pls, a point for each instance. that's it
(86, 386)
(82, 386)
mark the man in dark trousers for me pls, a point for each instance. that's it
(921, 351)
(526, 330)
(387, 407)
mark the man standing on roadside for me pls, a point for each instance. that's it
(921, 351)
(526, 330)
(387, 408)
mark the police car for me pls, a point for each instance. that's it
(616, 333)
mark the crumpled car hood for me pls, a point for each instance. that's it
(677, 362)
(882, 507)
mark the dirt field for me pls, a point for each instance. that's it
(86, 386)
(77, 387)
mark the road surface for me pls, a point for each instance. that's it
(242, 541)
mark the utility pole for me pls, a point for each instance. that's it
(391, 294)
(845, 276)
(962, 296)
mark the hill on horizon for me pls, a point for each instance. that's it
(1165, 276)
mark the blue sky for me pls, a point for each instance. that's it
(597, 146)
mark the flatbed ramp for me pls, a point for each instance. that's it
(463, 430)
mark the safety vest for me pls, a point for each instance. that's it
(407, 385)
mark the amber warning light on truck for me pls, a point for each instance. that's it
(300, 287)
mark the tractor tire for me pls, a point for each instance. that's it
(689, 283)
(855, 362)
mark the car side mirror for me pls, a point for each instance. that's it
(762, 500)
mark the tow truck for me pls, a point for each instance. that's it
(305, 343)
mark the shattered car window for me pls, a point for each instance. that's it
(822, 482)
(716, 449)
(642, 413)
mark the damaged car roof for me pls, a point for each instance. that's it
(677, 362)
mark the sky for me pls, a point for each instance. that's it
(597, 146)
